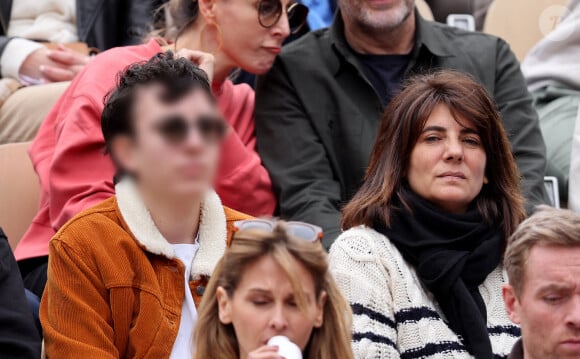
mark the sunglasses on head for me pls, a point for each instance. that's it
(175, 128)
(302, 230)
(270, 11)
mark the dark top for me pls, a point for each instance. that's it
(517, 351)
(317, 115)
(18, 335)
(385, 73)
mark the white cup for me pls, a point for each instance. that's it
(286, 348)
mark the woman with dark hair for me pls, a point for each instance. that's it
(420, 262)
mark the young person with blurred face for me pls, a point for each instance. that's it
(126, 276)
(217, 35)
(543, 295)
(427, 229)
(316, 120)
(273, 281)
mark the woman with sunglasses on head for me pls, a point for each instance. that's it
(420, 262)
(217, 35)
(272, 297)
(125, 277)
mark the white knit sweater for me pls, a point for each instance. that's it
(394, 315)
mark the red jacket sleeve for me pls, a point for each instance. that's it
(80, 174)
(243, 183)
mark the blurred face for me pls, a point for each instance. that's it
(376, 14)
(548, 307)
(264, 306)
(447, 165)
(246, 43)
(164, 163)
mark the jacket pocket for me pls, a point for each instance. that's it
(138, 317)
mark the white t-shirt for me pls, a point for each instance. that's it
(183, 346)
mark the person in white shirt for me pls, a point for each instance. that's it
(552, 71)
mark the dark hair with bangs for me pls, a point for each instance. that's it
(500, 201)
(177, 76)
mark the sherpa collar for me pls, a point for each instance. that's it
(212, 228)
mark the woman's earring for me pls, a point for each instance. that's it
(485, 180)
(204, 40)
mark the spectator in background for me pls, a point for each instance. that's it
(68, 151)
(321, 13)
(543, 295)
(28, 27)
(427, 229)
(126, 276)
(316, 120)
(552, 71)
(574, 182)
(19, 338)
(273, 281)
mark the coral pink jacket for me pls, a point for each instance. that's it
(68, 151)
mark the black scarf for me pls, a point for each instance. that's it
(452, 255)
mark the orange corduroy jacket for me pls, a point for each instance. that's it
(115, 288)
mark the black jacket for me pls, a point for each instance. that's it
(18, 335)
(102, 24)
(317, 115)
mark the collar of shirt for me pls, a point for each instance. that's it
(427, 37)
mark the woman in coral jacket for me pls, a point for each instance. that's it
(68, 151)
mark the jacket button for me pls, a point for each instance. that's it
(200, 290)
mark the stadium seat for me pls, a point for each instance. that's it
(551, 184)
(522, 23)
(442, 8)
(424, 9)
(19, 191)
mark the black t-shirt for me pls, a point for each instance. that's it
(385, 73)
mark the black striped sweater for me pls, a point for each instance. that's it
(394, 315)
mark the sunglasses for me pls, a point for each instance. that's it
(306, 231)
(175, 128)
(270, 11)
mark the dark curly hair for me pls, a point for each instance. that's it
(177, 76)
